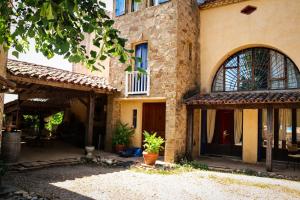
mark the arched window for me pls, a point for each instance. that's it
(256, 69)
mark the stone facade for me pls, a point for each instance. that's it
(171, 31)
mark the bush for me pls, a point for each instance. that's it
(123, 134)
(153, 144)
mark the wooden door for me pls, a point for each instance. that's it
(226, 126)
(154, 118)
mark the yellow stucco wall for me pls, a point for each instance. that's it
(250, 135)
(224, 31)
(79, 110)
(127, 107)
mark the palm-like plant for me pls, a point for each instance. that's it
(123, 134)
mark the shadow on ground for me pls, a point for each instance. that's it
(41, 181)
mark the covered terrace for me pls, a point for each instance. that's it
(43, 91)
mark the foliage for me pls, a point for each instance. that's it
(153, 144)
(54, 121)
(194, 164)
(32, 121)
(122, 135)
(60, 27)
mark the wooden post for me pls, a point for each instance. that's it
(190, 129)
(203, 131)
(91, 110)
(270, 121)
(294, 126)
(18, 117)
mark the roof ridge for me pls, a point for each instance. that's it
(45, 66)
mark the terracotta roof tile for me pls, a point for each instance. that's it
(30, 70)
(239, 98)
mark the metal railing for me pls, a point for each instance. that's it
(137, 83)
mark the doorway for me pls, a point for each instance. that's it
(154, 119)
(223, 139)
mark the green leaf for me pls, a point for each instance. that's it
(93, 54)
(75, 58)
(47, 11)
(15, 53)
(103, 57)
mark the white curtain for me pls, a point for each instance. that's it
(285, 121)
(211, 118)
(238, 125)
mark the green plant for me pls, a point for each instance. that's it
(122, 135)
(54, 121)
(60, 27)
(153, 143)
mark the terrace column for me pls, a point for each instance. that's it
(190, 130)
(90, 125)
(270, 123)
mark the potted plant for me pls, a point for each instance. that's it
(153, 144)
(122, 136)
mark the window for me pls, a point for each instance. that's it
(141, 54)
(135, 5)
(120, 7)
(157, 2)
(256, 69)
(134, 118)
(190, 51)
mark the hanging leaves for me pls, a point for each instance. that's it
(60, 27)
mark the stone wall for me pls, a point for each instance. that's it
(187, 68)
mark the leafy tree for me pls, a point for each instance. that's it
(54, 121)
(60, 27)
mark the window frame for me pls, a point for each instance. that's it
(116, 8)
(158, 2)
(133, 6)
(135, 54)
(220, 76)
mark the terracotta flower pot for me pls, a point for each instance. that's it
(150, 158)
(119, 147)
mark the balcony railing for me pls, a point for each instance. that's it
(137, 83)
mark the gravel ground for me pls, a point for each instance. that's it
(95, 182)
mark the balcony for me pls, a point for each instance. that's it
(137, 83)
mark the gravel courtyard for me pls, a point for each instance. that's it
(95, 182)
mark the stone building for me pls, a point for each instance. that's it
(242, 59)
(169, 30)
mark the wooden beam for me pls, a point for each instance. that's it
(91, 112)
(83, 102)
(246, 106)
(190, 130)
(270, 123)
(4, 82)
(52, 95)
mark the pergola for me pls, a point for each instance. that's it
(269, 100)
(47, 89)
